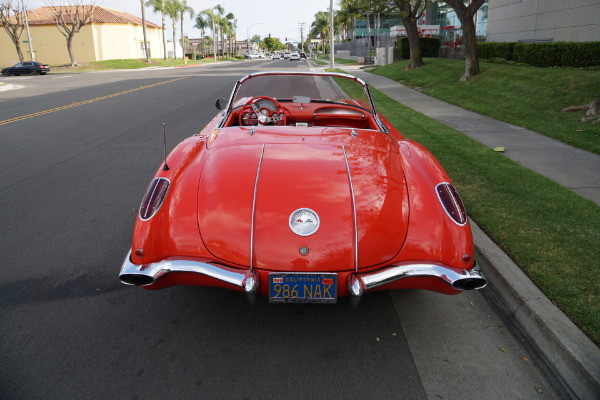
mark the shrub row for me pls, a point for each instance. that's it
(556, 54)
(429, 47)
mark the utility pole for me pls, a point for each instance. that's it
(301, 27)
(28, 34)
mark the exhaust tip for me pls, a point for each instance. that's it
(136, 279)
(469, 283)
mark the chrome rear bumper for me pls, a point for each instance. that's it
(359, 283)
(147, 274)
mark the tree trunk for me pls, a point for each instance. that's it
(70, 50)
(144, 29)
(471, 56)
(19, 51)
(174, 40)
(183, 40)
(164, 34)
(414, 44)
(465, 16)
(408, 13)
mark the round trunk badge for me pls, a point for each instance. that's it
(304, 222)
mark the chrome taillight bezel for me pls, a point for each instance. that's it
(451, 203)
(154, 198)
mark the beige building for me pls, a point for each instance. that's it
(112, 34)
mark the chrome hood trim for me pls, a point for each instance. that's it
(147, 274)
(464, 279)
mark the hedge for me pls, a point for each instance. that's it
(429, 47)
(496, 50)
(555, 54)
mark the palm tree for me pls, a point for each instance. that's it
(226, 29)
(183, 9)
(202, 24)
(144, 29)
(159, 6)
(320, 27)
(172, 10)
(211, 20)
(219, 23)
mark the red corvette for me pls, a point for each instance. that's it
(300, 191)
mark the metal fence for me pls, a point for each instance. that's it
(360, 47)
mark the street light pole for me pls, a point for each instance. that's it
(248, 36)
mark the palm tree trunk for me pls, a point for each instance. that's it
(164, 34)
(174, 40)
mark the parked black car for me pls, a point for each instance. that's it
(27, 68)
(302, 54)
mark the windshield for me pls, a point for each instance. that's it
(303, 88)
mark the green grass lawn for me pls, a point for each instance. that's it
(549, 231)
(524, 96)
(133, 64)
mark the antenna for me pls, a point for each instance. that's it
(165, 167)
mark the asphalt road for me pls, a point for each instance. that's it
(76, 155)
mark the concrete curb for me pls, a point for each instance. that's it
(570, 356)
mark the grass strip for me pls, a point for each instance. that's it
(549, 231)
(525, 96)
(133, 64)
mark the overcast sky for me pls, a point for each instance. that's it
(280, 18)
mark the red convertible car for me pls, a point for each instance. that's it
(300, 191)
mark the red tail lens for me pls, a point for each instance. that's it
(154, 197)
(452, 203)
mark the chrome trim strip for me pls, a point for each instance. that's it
(464, 279)
(151, 272)
(353, 199)
(262, 153)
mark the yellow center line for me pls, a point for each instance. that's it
(81, 103)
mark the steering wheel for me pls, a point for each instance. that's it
(262, 110)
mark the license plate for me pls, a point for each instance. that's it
(302, 288)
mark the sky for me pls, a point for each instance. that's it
(280, 18)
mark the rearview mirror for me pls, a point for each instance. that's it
(221, 103)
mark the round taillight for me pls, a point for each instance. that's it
(451, 202)
(154, 197)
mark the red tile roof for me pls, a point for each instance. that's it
(102, 15)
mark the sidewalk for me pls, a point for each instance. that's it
(569, 356)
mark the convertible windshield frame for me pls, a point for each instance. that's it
(233, 98)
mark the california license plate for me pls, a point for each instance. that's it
(302, 287)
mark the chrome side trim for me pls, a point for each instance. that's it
(262, 153)
(464, 279)
(353, 200)
(147, 274)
